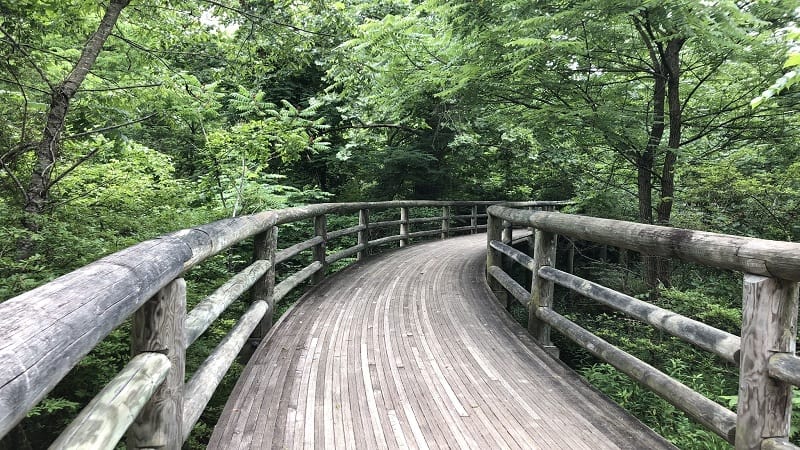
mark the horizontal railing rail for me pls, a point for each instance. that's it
(764, 352)
(46, 331)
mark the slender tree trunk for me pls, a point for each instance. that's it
(666, 78)
(672, 66)
(645, 163)
(48, 149)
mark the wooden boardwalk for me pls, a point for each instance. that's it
(409, 350)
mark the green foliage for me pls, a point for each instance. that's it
(657, 413)
(238, 158)
(788, 79)
(53, 405)
(794, 431)
(265, 104)
(712, 297)
(754, 192)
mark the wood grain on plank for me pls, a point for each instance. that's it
(421, 357)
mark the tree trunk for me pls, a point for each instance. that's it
(47, 150)
(645, 162)
(672, 66)
(666, 77)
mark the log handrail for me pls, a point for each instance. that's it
(764, 353)
(46, 331)
(750, 255)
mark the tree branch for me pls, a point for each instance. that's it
(108, 128)
(23, 86)
(259, 18)
(647, 42)
(148, 51)
(363, 125)
(703, 80)
(121, 88)
(47, 149)
(28, 57)
(15, 180)
(24, 126)
(17, 150)
(514, 101)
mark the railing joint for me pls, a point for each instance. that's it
(363, 234)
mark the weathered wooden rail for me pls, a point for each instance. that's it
(765, 352)
(45, 332)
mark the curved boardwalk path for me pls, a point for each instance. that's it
(409, 350)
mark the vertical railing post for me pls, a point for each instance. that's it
(507, 230)
(571, 256)
(507, 264)
(473, 221)
(404, 226)
(445, 222)
(531, 244)
(494, 231)
(363, 234)
(532, 238)
(320, 229)
(544, 254)
(769, 326)
(158, 326)
(265, 246)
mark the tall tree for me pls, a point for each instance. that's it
(47, 149)
(652, 85)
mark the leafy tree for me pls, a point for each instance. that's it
(638, 89)
(47, 149)
(788, 79)
(238, 159)
(184, 112)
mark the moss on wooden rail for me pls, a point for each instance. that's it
(107, 417)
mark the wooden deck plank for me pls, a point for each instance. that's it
(363, 430)
(423, 405)
(409, 350)
(483, 411)
(484, 388)
(426, 404)
(513, 414)
(331, 390)
(385, 400)
(521, 409)
(393, 340)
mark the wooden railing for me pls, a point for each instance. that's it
(45, 332)
(765, 352)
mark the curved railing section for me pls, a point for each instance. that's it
(765, 352)
(45, 332)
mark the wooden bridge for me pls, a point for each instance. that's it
(409, 350)
(406, 349)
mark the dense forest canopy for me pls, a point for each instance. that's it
(124, 119)
(635, 105)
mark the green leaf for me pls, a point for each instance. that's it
(793, 60)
